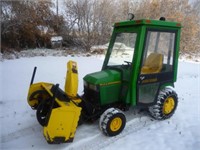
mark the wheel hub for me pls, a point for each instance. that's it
(168, 105)
(115, 124)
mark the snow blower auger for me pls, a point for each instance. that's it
(139, 70)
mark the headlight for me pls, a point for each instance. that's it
(93, 87)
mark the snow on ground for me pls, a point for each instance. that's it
(19, 128)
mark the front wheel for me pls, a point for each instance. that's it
(166, 104)
(112, 122)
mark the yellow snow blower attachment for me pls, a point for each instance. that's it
(57, 111)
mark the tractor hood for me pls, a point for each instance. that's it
(104, 77)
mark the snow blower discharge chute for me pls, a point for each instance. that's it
(143, 77)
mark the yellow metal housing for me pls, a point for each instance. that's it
(116, 124)
(33, 92)
(168, 105)
(62, 123)
(71, 83)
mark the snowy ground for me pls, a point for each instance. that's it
(19, 128)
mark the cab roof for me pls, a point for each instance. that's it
(148, 22)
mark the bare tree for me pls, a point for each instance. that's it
(21, 23)
(89, 22)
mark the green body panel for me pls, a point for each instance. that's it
(167, 84)
(177, 54)
(110, 93)
(108, 83)
(122, 85)
(102, 77)
(136, 67)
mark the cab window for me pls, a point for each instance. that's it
(158, 53)
(123, 49)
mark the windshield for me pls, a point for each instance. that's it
(123, 49)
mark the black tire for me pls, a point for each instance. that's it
(42, 112)
(112, 122)
(166, 104)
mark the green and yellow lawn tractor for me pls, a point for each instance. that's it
(143, 77)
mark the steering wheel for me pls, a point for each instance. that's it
(128, 63)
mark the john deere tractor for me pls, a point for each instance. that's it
(139, 70)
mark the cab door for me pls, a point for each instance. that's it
(156, 64)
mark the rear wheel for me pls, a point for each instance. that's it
(112, 122)
(166, 104)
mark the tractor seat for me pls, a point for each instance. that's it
(153, 64)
